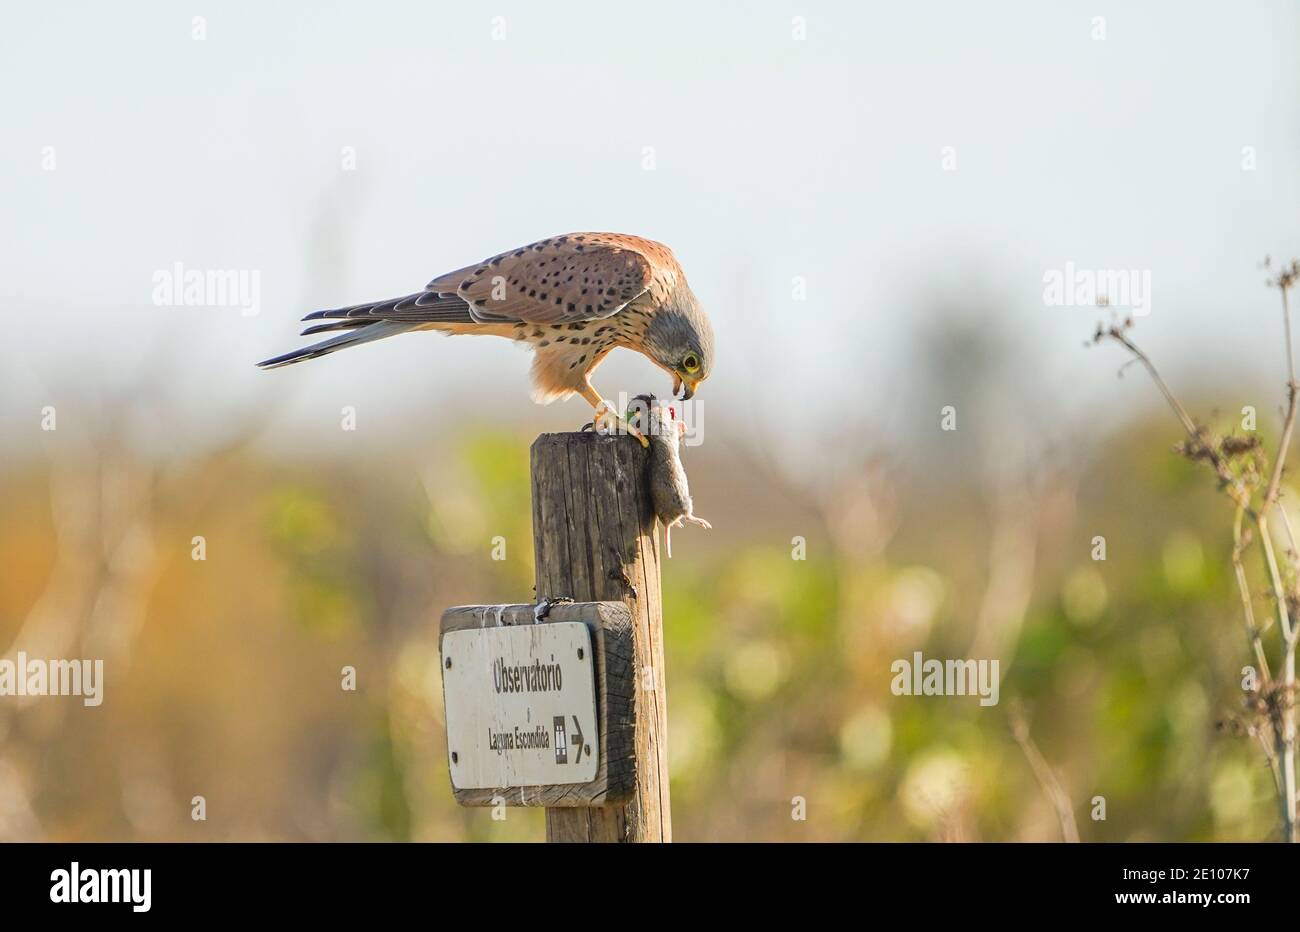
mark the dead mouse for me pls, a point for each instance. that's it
(669, 492)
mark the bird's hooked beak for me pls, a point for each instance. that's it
(686, 386)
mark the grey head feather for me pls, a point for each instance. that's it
(680, 327)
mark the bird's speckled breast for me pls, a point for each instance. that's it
(583, 344)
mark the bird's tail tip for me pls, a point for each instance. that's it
(364, 334)
(287, 359)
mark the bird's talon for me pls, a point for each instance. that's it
(605, 420)
(543, 608)
(608, 421)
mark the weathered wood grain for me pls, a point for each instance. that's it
(594, 538)
(613, 646)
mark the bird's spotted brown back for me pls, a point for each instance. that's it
(565, 279)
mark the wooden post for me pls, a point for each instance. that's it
(594, 539)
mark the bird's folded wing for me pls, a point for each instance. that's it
(565, 279)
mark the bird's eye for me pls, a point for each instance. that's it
(691, 362)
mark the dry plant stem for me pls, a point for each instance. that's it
(1255, 636)
(1275, 577)
(1282, 715)
(1270, 757)
(1230, 482)
(1253, 632)
(1275, 482)
(1290, 552)
(1288, 736)
(1279, 462)
(1188, 424)
(1046, 777)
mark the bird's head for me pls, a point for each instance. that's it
(680, 341)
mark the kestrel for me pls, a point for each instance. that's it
(571, 298)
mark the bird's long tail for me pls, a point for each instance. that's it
(363, 333)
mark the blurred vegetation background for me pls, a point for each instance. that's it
(328, 548)
(223, 675)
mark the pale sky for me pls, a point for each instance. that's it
(130, 145)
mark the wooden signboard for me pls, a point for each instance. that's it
(540, 712)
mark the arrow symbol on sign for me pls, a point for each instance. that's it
(577, 739)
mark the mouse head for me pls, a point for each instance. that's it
(655, 418)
